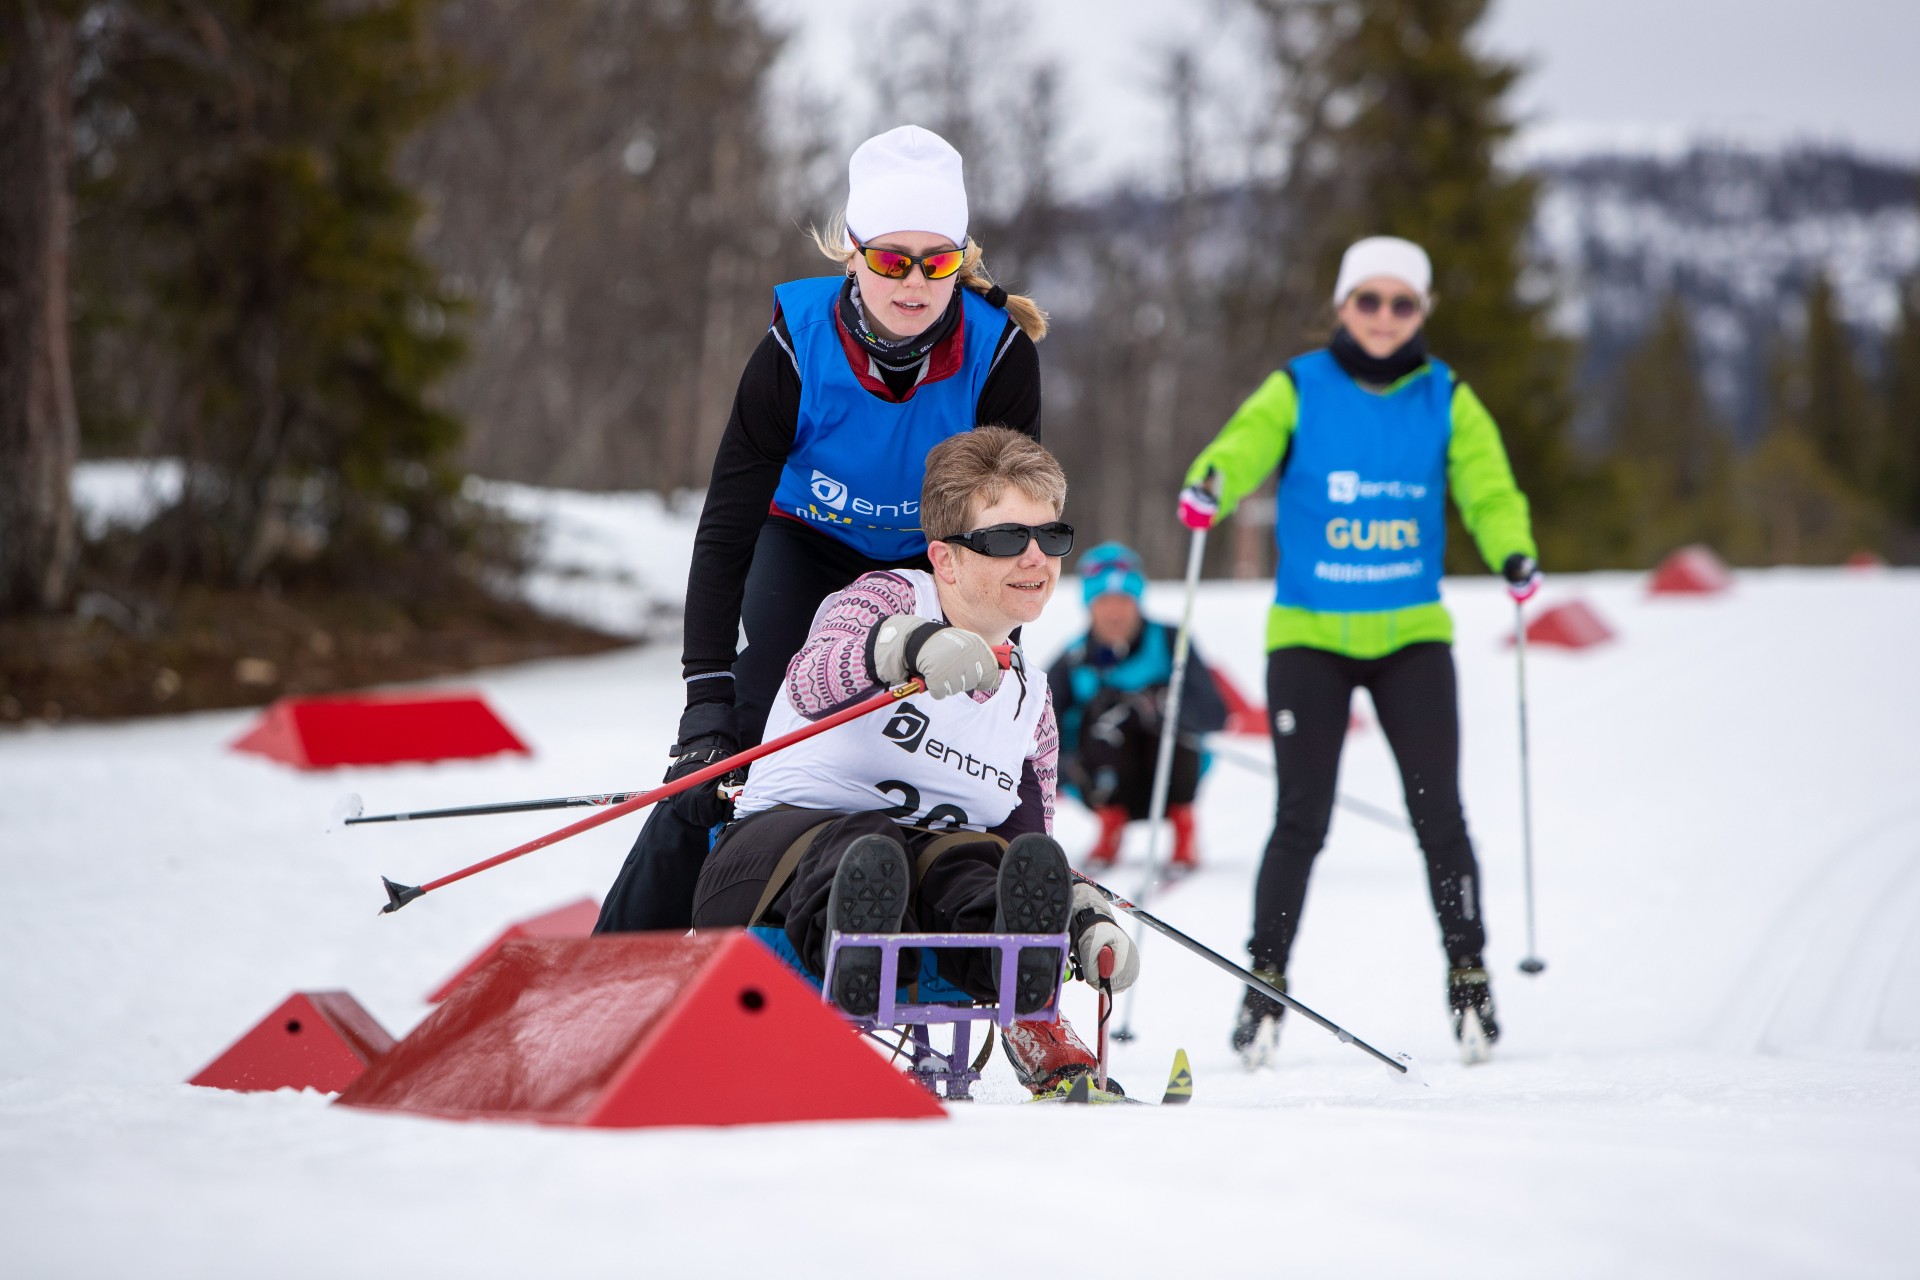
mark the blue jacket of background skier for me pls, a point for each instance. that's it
(1086, 669)
(858, 460)
(1362, 525)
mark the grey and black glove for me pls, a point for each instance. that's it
(1094, 926)
(948, 659)
(709, 732)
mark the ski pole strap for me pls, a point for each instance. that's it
(783, 869)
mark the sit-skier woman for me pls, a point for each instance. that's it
(1371, 434)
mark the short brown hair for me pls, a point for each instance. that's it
(984, 463)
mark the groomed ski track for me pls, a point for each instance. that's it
(1718, 1074)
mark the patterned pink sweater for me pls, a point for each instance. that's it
(831, 671)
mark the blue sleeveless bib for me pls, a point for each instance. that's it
(858, 460)
(1362, 524)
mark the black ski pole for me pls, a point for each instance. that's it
(477, 810)
(1246, 976)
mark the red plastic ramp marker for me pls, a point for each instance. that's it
(315, 1040)
(1693, 570)
(575, 920)
(635, 1030)
(395, 728)
(1242, 716)
(1573, 625)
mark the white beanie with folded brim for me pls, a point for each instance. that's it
(906, 179)
(1389, 256)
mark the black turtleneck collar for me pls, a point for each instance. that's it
(1379, 371)
(894, 357)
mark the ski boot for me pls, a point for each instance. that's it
(1048, 1057)
(1256, 1033)
(869, 895)
(1471, 998)
(1113, 825)
(1186, 857)
(1034, 895)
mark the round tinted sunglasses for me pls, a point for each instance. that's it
(1005, 540)
(895, 265)
(1402, 305)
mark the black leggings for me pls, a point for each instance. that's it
(793, 570)
(1309, 692)
(956, 893)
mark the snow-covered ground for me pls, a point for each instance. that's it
(1717, 1075)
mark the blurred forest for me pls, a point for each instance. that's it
(337, 254)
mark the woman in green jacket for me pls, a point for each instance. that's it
(1370, 435)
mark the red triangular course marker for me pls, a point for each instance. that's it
(575, 920)
(634, 1030)
(315, 1040)
(379, 728)
(1693, 570)
(1573, 625)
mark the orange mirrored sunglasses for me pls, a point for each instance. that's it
(895, 265)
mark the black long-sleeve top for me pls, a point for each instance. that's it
(746, 471)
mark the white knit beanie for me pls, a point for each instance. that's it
(1402, 260)
(906, 179)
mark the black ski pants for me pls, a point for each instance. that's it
(793, 570)
(1309, 692)
(956, 892)
(1118, 751)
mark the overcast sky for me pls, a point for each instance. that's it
(1652, 70)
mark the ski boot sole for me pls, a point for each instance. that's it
(869, 895)
(1035, 895)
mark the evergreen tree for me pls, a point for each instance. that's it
(1841, 418)
(1794, 507)
(1673, 457)
(253, 249)
(1401, 121)
(1902, 484)
(38, 428)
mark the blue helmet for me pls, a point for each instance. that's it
(1112, 567)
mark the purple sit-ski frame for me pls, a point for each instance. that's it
(957, 1075)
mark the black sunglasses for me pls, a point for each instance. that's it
(1004, 540)
(1402, 305)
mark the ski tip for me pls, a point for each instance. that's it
(1179, 1082)
(399, 895)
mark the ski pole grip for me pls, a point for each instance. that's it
(1104, 963)
(1004, 652)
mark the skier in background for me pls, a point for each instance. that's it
(1110, 692)
(938, 816)
(1370, 435)
(817, 478)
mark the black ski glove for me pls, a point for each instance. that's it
(1523, 576)
(709, 732)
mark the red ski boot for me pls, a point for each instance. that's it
(1113, 825)
(1185, 856)
(1048, 1057)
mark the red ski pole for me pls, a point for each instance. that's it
(399, 895)
(1105, 964)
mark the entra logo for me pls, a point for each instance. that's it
(907, 727)
(830, 491)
